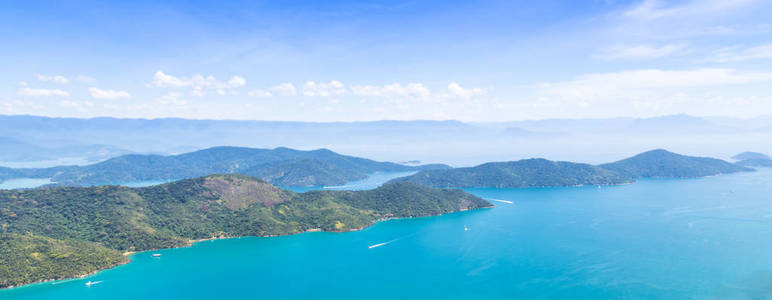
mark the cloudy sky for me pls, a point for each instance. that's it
(375, 60)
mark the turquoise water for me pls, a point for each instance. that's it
(23, 183)
(668, 239)
(372, 181)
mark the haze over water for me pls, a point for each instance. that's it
(672, 239)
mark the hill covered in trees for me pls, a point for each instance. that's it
(280, 166)
(539, 172)
(523, 173)
(53, 233)
(665, 164)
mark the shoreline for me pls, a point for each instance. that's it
(68, 278)
(191, 242)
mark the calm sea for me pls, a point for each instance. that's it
(670, 239)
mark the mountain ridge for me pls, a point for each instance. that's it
(107, 220)
(539, 172)
(281, 166)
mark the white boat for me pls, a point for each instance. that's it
(156, 255)
(466, 228)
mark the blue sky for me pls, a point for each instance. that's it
(374, 60)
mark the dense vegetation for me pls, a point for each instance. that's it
(26, 258)
(522, 173)
(542, 172)
(100, 221)
(661, 163)
(280, 166)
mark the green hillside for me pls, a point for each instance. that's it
(662, 163)
(133, 219)
(522, 173)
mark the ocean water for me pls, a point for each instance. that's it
(143, 183)
(24, 183)
(372, 181)
(707, 238)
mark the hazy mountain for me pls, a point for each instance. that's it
(753, 159)
(15, 150)
(523, 173)
(750, 155)
(281, 166)
(662, 163)
(453, 142)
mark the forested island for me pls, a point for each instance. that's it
(56, 233)
(661, 163)
(523, 173)
(280, 166)
(545, 173)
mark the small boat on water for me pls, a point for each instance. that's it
(90, 283)
(466, 228)
(156, 255)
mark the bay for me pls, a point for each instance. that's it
(674, 239)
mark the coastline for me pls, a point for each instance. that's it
(81, 276)
(191, 242)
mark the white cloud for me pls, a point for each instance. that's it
(237, 81)
(334, 87)
(97, 93)
(659, 20)
(658, 9)
(655, 78)
(410, 90)
(738, 53)
(171, 98)
(198, 83)
(640, 52)
(32, 92)
(161, 79)
(55, 78)
(457, 91)
(84, 79)
(650, 91)
(259, 93)
(285, 89)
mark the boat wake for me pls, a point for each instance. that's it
(503, 201)
(90, 283)
(381, 244)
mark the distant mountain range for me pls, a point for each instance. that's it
(15, 150)
(543, 173)
(56, 233)
(280, 166)
(590, 140)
